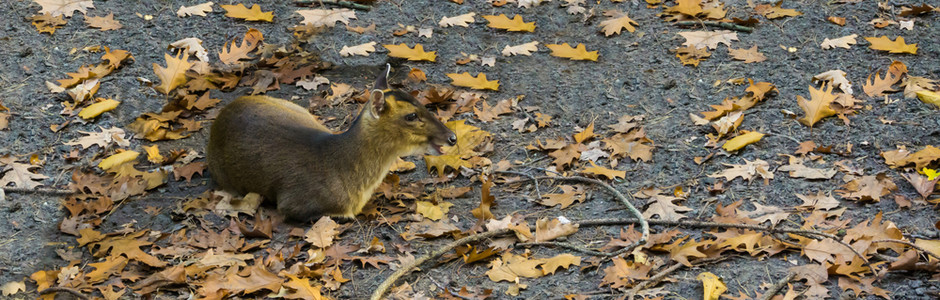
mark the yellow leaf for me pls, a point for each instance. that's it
(98, 108)
(118, 159)
(618, 20)
(896, 46)
(417, 53)
(930, 245)
(576, 53)
(465, 80)
(402, 165)
(713, 286)
(441, 162)
(929, 97)
(431, 211)
(610, 174)
(818, 106)
(174, 74)
(253, 14)
(559, 261)
(153, 154)
(740, 141)
(503, 22)
(930, 173)
(585, 134)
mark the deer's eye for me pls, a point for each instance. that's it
(411, 117)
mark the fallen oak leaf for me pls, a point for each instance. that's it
(610, 174)
(326, 17)
(195, 10)
(193, 46)
(98, 108)
(103, 23)
(742, 140)
(479, 82)
(64, 7)
(842, 42)
(514, 24)
(618, 20)
(747, 55)
(775, 11)
(577, 53)
(361, 49)
(878, 86)
(174, 74)
(232, 53)
(415, 54)
(19, 174)
(929, 97)
(709, 39)
(521, 49)
(463, 20)
(248, 14)
(818, 107)
(883, 43)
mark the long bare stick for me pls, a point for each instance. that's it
(661, 275)
(50, 191)
(644, 226)
(777, 287)
(801, 232)
(380, 291)
(912, 245)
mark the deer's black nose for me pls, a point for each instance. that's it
(452, 140)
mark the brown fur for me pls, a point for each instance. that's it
(277, 149)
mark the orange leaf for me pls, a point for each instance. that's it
(466, 80)
(878, 86)
(896, 46)
(417, 53)
(577, 53)
(241, 12)
(231, 53)
(515, 24)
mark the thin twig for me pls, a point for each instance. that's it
(339, 3)
(452, 293)
(41, 190)
(69, 290)
(380, 291)
(801, 232)
(777, 287)
(724, 25)
(912, 245)
(644, 226)
(536, 182)
(569, 247)
(662, 275)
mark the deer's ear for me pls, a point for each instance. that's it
(377, 102)
(381, 83)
